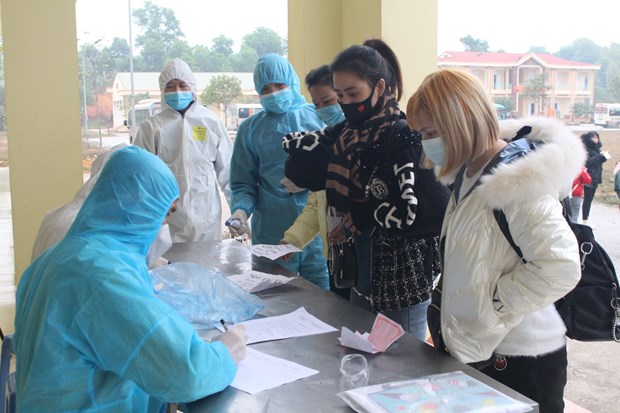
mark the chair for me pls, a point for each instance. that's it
(7, 380)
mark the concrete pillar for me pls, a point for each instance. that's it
(43, 113)
(319, 29)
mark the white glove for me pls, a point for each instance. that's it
(234, 339)
(290, 186)
(237, 223)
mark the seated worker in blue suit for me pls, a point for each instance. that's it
(90, 335)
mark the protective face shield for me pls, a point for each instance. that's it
(178, 100)
(331, 115)
(277, 102)
(433, 149)
(160, 245)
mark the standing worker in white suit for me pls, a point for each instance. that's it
(194, 143)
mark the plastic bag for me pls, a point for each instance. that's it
(203, 296)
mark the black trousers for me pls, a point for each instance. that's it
(588, 196)
(542, 378)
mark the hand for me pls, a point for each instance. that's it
(606, 154)
(290, 186)
(348, 223)
(234, 339)
(288, 256)
(300, 140)
(337, 234)
(237, 223)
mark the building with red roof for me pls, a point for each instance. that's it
(507, 75)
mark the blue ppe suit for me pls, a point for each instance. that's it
(90, 334)
(257, 167)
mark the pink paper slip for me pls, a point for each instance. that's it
(384, 332)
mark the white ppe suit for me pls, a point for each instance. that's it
(194, 145)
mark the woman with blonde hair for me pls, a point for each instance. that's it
(495, 305)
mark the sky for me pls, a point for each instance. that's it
(509, 25)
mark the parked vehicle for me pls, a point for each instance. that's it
(143, 109)
(238, 112)
(607, 114)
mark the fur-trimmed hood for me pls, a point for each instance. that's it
(549, 169)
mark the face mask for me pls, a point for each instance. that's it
(277, 102)
(433, 149)
(160, 245)
(178, 100)
(358, 112)
(330, 115)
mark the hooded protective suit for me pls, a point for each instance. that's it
(194, 145)
(90, 334)
(57, 221)
(257, 167)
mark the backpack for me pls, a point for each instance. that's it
(591, 311)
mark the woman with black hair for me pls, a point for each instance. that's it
(594, 163)
(372, 180)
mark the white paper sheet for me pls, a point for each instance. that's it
(260, 371)
(254, 281)
(296, 324)
(273, 251)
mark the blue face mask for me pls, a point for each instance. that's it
(178, 100)
(433, 149)
(331, 115)
(277, 102)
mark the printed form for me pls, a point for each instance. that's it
(296, 324)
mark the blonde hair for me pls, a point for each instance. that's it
(462, 112)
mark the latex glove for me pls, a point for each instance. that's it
(237, 223)
(234, 339)
(290, 186)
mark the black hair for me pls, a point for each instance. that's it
(372, 61)
(587, 137)
(319, 76)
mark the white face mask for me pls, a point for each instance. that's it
(160, 245)
(433, 149)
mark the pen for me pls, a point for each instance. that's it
(224, 324)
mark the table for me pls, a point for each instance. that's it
(406, 358)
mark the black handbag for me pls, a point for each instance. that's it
(343, 263)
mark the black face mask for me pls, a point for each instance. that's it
(358, 112)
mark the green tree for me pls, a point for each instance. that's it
(506, 102)
(474, 45)
(160, 30)
(245, 60)
(538, 49)
(582, 50)
(222, 45)
(265, 41)
(222, 90)
(581, 110)
(613, 89)
(181, 50)
(537, 88)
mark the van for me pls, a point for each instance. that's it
(238, 112)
